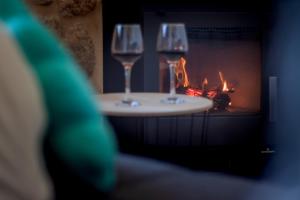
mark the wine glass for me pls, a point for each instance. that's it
(127, 47)
(172, 44)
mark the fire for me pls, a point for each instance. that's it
(181, 74)
(211, 94)
(223, 82)
(204, 84)
(219, 93)
(194, 92)
(225, 87)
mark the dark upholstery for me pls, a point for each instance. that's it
(146, 179)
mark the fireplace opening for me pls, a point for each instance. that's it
(223, 63)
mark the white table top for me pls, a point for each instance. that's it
(151, 105)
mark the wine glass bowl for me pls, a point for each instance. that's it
(127, 47)
(172, 44)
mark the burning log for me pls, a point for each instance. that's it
(194, 92)
(221, 101)
(219, 95)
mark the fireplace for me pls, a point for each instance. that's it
(225, 63)
(224, 58)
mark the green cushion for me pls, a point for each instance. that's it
(77, 132)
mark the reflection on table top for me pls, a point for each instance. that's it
(151, 105)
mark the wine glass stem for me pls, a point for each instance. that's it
(127, 81)
(172, 66)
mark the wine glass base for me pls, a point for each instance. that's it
(172, 100)
(128, 103)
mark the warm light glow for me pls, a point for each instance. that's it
(194, 92)
(181, 74)
(204, 84)
(223, 82)
(218, 93)
(221, 77)
(225, 87)
(211, 94)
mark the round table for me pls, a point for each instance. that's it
(151, 105)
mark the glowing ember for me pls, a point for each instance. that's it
(194, 92)
(212, 94)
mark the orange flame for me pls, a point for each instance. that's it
(225, 87)
(224, 83)
(181, 73)
(204, 83)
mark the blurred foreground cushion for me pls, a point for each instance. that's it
(22, 125)
(77, 136)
